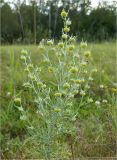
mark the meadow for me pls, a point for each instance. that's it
(96, 135)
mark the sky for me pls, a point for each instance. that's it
(94, 3)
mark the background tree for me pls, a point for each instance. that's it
(30, 22)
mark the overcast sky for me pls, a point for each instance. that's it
(94, 3)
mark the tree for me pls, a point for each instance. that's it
(9, 27)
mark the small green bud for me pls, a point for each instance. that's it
(64, 36)
(50, 69)
(30, 66)
(66, 86)
(24, 52)
(58, 94)
(49, 42)
(61, 44)
(66, 29)
(72, 39)
(83, 44)
(87, 54)
(71, 47)
(40, 84)
(17, 101)
(23, 57)
(74, 70)
(64, 14)
(44, 86)
(57, 110)
(77, 81)
(26, 70)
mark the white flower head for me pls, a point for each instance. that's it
(82, 93)
(104, 101)
(72, 39)
(90, 79)
(89, 100)
(50, 42)
(64, 36)
(97, 103)
(68, 22)
(101, 86)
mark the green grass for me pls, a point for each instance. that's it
(92, 143)
(104, 58)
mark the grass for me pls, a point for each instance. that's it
(97, 135)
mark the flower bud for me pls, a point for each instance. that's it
(24, 52)
(66, 29)
(30, 66)
(83, 44)
(68, 22)
(57, 109)
(72, 39)
(64, 36)
(23, 57)
(26, 70)
(87, 54)
(58, 94)
(17, 101)
(50, 69)
(64, 14)
(71, 47)
(40, 84)
(49, 42)
(61, 44)
(66, 86)
(114, 89)
(74, 70)
(77, 81)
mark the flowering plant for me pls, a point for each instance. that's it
(59, 99)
